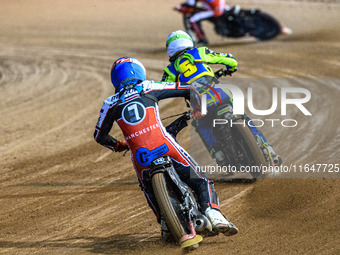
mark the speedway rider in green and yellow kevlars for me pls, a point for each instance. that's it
(191, 64)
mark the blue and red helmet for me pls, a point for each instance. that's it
(127, 68)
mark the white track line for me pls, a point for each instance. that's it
(233, 198)
(103, 156)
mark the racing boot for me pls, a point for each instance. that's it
(220, 223)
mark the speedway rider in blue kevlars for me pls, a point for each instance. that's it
(191, 64)
(134, 107)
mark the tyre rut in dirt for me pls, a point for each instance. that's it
(254, 148)
(167, 210)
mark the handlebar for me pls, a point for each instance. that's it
(178, 124)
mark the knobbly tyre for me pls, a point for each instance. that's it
(238, 145)
(237, 22)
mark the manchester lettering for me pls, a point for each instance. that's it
(141, 132)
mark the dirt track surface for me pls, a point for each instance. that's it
(61, 193)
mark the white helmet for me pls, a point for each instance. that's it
(177, 41)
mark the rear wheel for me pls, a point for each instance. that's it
(264, 26)
(251, 148)
(168, 204)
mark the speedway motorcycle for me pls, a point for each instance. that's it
(237, 22)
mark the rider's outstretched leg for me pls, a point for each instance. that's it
(201, 39)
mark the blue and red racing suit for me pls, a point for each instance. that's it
(136, 112)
